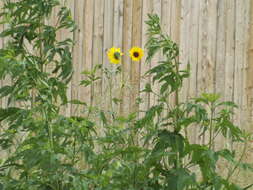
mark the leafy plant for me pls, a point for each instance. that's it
(103, 150)
(43, 146)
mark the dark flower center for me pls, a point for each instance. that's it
(136, 54)
(116, 55)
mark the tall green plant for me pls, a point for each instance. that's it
(43, 146)
(100, 151)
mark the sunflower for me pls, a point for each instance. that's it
(114, 55)
(136, 53)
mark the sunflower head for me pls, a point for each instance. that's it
(136, 53)
(114, 55)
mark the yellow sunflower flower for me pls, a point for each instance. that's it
(136, 53)
(114, 55)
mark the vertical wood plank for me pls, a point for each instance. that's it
(202, 53)
(230, 54)
(135, 66)
(211, 7)
(175, 19)
(189, 53)
(157, 4)
(85, 94)
(127, 35)
(229, 50)
(249, 81)
(248, 99)
(184, 53)
(166, 16)
(239, 57)
(245, 119)
(77, 55)
(117, 41)
(107, 44)
(206, 50)
(220, 59)
(97, 53)
(193, 46)
(220, 73)
(203, 61)
(146, 9)
(118, 23)
(212, 16)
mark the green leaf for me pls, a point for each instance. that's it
(103, 117)
(167, 139)
(179, 179)
(147, 88)
(227, 154)
(8, 112)
(77, 102)
(5, 90)
(228, 103)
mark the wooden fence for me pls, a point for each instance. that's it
(215, 37)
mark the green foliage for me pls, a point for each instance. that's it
(167, 72)
(103, 150)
